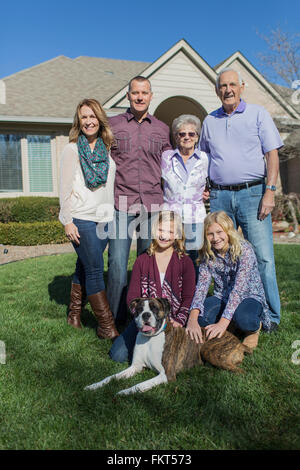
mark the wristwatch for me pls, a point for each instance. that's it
(271, 186)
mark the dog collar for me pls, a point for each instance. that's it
(162, 328)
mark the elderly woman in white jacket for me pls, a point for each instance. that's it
(86, 206)
(184, 173)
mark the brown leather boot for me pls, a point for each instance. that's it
(251, 339)
(77, 297)
(106, 324)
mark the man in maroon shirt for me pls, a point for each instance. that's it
(140, 140)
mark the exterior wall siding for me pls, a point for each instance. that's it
(181, 77)
(255, 93)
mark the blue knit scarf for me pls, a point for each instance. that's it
(94, 164)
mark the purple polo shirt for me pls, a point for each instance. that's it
(237, 143)
(137, 154)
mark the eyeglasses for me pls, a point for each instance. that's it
(184, 134)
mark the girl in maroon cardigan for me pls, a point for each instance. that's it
(163, 271)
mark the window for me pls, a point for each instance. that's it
(26, 164)
(40, 163)
(10, 163)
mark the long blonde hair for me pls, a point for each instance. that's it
(168, 216)
(104, 129)
(234, 237)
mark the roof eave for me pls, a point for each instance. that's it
(36, 119)
(265, 83)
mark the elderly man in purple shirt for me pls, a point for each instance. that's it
(140, 140)
(242, 142)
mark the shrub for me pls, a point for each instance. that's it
(287, 207)
(5, 210)
(29, 234)
(29, 209)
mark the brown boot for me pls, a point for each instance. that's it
(251, 339)
(76, 302)
(106, 324)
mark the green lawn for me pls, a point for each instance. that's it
(43, 404)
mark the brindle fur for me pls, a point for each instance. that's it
(226, 352)
(181, 352)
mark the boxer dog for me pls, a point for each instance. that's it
(168, 350)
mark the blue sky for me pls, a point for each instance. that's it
(34, 31)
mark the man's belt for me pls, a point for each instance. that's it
(236, 187)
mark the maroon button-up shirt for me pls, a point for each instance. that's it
(137, 153)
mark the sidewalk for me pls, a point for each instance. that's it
(17, 253)
(10, 253)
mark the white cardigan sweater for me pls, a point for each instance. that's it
(78, 201)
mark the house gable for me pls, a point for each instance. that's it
(257, 89)
(179, 72)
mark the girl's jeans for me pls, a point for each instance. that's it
(246, 317)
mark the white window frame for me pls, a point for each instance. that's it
(25, 168)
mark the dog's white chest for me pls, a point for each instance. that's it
(150, 318)
(148, 351)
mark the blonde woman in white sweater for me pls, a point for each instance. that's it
(86, 206)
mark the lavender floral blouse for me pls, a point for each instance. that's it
(233, 283)
(184, 195)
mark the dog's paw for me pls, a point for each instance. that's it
(92, 387)
(128, 391)
(238, 370)
(122, 392)
(88, 387)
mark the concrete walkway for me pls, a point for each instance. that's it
(9, 253)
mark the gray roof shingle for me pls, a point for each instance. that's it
(288, 95)
(54, 88)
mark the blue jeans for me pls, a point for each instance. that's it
(247, 316)
(120, 239)
(123, 346)
(243, 207)
(89, 265)
(193, 242)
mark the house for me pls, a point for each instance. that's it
(37, 106)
